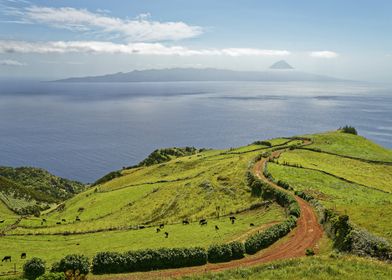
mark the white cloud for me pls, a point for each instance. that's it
(9, 62)
(324, 54)
(140, 29)
(99, 47)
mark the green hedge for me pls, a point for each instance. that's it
(226, 252)
(148, 259)
(264, 239)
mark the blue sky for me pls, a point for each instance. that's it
(347, 38)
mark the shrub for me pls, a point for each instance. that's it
(52, 276)
(75, 263)
(34, 268)
(219, 253)
(348, 129)
(309, 252)
(263, 143)
(237, 250)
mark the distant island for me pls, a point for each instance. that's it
(280, 71)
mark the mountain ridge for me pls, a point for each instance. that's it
(201, 74)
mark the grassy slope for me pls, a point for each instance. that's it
(54, 247)
(212, 181)
(345, 197)
(350, 145)
(317, 268)
(372, 175)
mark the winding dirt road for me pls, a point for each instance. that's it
(306, 235)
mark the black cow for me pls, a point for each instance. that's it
(158, 230)
(185, 222)
(232, 222)
(232, 218)
(142, 227)
(166, 234)
(77, 219)
(23, 256)
(216, 227)
(2, 221)
(58, 223)
(63, 220)
(252, 224)
(161, 225)
(202, 221)
(44, 220)
(6, 259)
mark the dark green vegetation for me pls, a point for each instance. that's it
(127, 212)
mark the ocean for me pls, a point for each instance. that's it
(82, 131)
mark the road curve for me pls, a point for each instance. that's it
(306, 235)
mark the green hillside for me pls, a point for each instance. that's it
(346, 179)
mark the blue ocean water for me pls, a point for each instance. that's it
(82, 131)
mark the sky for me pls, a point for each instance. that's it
(350, 39)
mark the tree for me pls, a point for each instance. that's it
(34, 268)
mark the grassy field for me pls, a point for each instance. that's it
(319, 268)
(350, 145)
(372, 175)
(53, 247)
(346, 198)
(213, 181)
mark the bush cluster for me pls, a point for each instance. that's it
(148, 259)
(76, 264)
(349, 129)
(263, 143)
(263, 239)
(34, 268)
(226, 252)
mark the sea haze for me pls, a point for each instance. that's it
(82, 131)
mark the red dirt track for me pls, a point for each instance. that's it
(306, 235)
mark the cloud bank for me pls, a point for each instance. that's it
(141, 29)
(324, 54)
(100, 47)
(9, 62)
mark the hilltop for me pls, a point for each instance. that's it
(317, 194)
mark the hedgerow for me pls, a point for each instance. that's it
(264, 239)
(148, 259)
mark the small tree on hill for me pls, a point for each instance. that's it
(349, 129)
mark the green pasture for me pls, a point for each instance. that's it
(53, 247)
(367, 208)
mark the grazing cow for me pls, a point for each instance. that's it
(185, 222)
(166, 234)
(158, 230)
(6, 259)
(63, 220)
(216, 227)
(58, 223)
(202, 221)
(2, 221)
(77, 219)
(232, 218)
(23, 256)
(252, 224)
(161, 225)
(142, 227)
(77, 244)
(44, 220)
